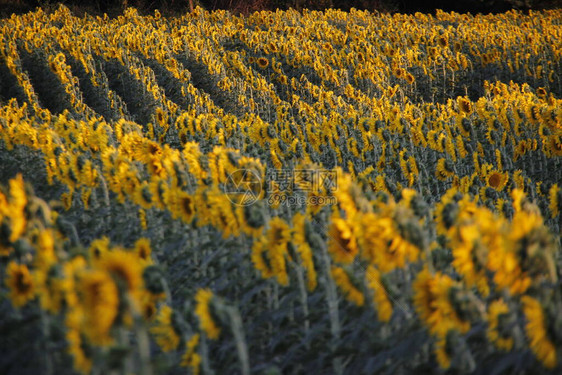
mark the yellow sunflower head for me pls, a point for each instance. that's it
(263, 62)
(342, 242)
(20, 282)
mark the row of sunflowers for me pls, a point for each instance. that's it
(281, 193)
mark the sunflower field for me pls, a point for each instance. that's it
(281, 193)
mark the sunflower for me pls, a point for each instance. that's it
(126, 269)
(303, 249)
(541, 92)
(260, 258)
(554, 143)
(148, 306)
(263, 62)
(443, 353)
(383, 244)
(191, 358)
(497, 180)
(278, 236)
(80, 350)
(251, 218)
(497, 311)
(433, 304)
(21, 284)
(222, 216)
(465, 105)
(143, 250)
(470, 247)
(444, 169)
(381, 301)
(203, 298)
(99, 305)
(158, 192)
(536, 329)
(410, 79)
(342, 242)
(398, 72)
(45, 256)
(554, 200)
(164, 331)
(279, 232)
(142, 195)
(350, 291)
(142, 219)
(186, 207)
(98, 248)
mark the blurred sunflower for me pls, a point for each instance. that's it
(497, 311)
(203, 299)
(126, 269)
(555, 200)
(20, 282)
(99, 306)
(381, 300)
(350, 291)
(263, 62)
(163, 329)
(342, 242)
(143, 249)
(190, 357)
(497, 180)
(444, 169)
(80, 350)
(536, 329)
(465, 105)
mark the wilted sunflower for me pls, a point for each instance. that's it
(203, 311)
(21, 284)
